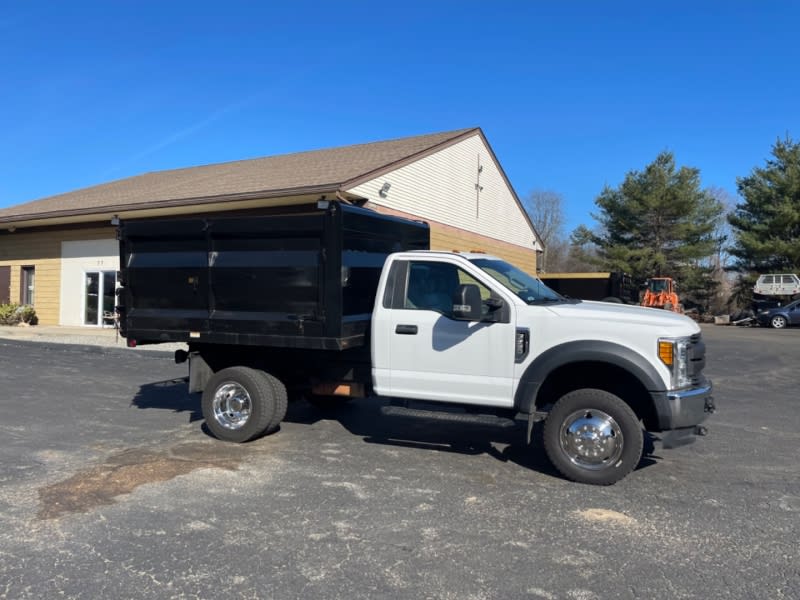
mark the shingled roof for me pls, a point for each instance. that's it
(317, 171)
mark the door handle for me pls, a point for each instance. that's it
(406, 329)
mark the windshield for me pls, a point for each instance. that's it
(530, 289)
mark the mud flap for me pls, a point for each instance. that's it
(199, 373)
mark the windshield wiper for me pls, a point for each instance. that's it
(564, 299)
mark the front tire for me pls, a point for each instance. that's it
(592, 436)
(240, 403)
(778, 322)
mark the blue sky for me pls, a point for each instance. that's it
(571, 95)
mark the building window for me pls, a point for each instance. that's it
(100, 298)
(5, 285)
(27, 281)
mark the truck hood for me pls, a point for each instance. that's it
(625, 314)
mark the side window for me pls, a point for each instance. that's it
(431, 286)
(767, 279)
(788, 279)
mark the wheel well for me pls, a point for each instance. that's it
(603, 376)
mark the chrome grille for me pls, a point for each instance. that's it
(697, 358)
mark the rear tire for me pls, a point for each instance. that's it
(592, 436)
(281, 402)
(240, 403)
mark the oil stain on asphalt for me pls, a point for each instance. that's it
(122, 473)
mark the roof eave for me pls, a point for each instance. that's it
(328, 188)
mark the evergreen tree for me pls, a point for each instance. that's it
(659, 222)
(767, 224)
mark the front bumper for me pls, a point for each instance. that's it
(683, 409)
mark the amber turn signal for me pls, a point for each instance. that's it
(665, 352)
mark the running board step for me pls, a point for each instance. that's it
(450, 416)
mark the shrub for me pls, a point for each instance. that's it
(8, 314)
(27, 314)
(14, 314)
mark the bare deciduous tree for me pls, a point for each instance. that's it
(546, 210)
(721, 259)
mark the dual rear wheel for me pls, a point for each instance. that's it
(241, 403)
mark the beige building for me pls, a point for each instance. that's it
(60, 253)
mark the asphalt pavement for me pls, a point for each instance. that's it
(111, 488)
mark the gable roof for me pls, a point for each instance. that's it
(314, 172)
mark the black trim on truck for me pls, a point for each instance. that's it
(395, 292)
(582, 351)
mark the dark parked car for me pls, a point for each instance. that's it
(782, 316)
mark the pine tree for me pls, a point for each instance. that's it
(660, 222)
(767, 224)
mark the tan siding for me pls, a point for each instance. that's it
(448, 238)
(42, 250)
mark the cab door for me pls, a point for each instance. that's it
(429, 355)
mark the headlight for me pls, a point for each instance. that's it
(675, 354)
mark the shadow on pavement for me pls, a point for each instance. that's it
(503, 440)
(171, 394)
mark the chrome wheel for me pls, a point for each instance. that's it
(778, 322)
(591, 439)
(232, 405)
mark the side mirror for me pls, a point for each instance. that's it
(467, 303)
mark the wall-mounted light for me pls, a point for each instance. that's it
(12, 229)
(115, 220)
(384, 191)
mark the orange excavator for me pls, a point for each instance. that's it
(660, 293)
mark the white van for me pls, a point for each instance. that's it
(783, 284)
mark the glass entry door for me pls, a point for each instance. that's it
(99, 298)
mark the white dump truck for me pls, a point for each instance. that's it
(338, 301)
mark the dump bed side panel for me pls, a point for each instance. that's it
(165, 275)
(302, 280)
(266, 275)
(583, 288)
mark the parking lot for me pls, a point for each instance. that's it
(109, 487)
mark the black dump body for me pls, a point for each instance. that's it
(593, 286)
(300, 279)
